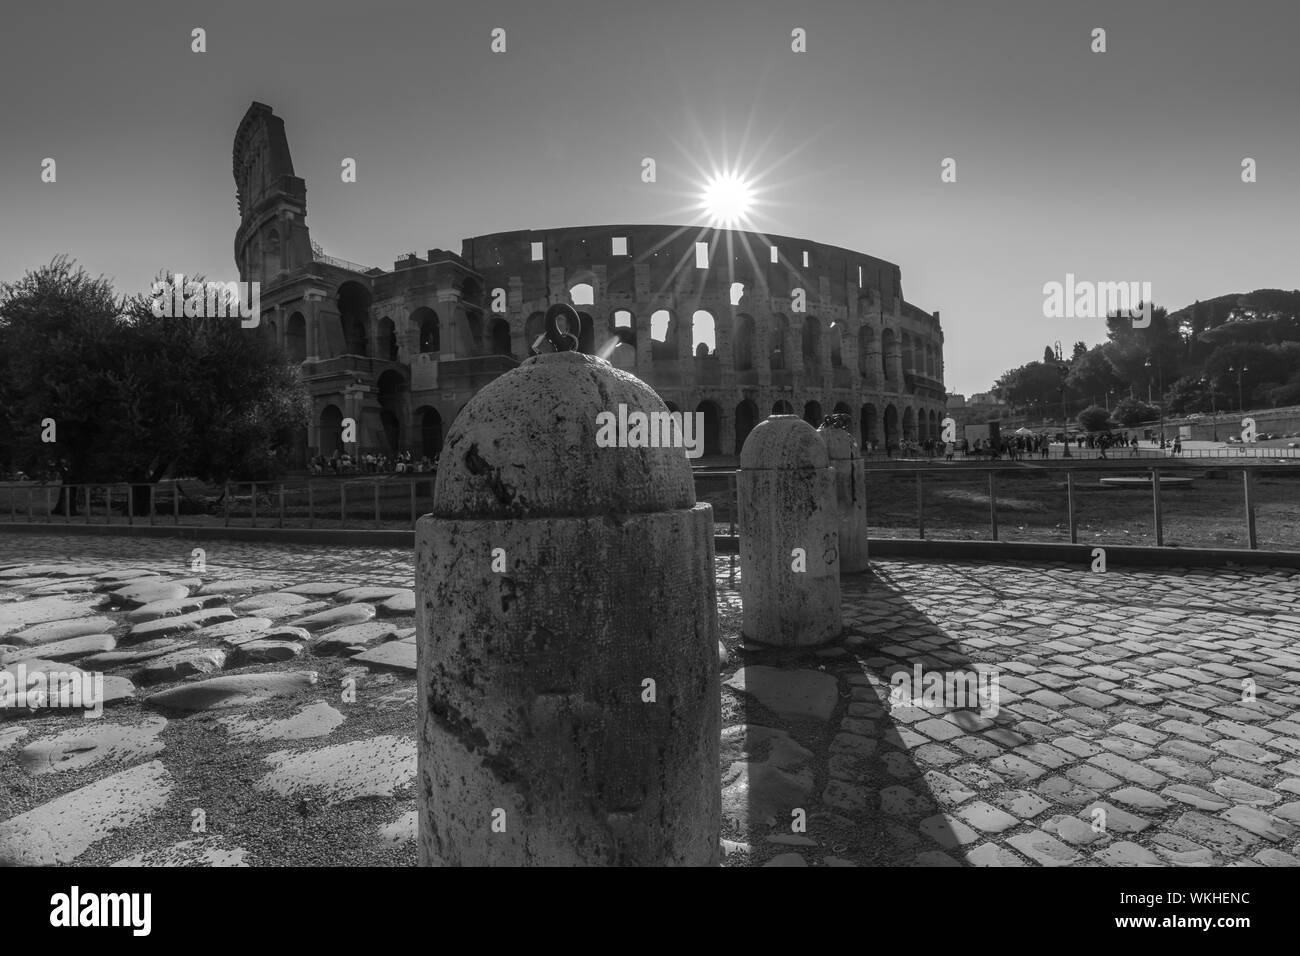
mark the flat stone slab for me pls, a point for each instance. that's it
(21, 615)
(233, 632)
(801, 693)
(10, 737)
(372, 767)
(314, 720)
(156, 609)
(395, 655)
(399, 604)
(266, 652)
(62, 630)
(122, 577)
(239, 586)
(86, 746)
(179, 664)
(65, 688)
(233, 690)
(319, 589)
(140, 652)
(71, 586)
(51, 571)
(205, 851)
(274, 599)
(758, 792)
(405, 829)
(69, 650)
(278, 612)
(336, 617)
(184, 623)
(135, 595)
(370, 595)
(60, 831)
(346, 641)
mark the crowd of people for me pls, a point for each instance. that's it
(1018, 447)
(342, 463)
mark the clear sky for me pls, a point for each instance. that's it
(1118, 166)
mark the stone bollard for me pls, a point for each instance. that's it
(850, 496)
(789, 552)
(569, 703)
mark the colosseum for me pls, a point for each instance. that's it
(736, 325)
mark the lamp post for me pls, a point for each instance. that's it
(1064, 370)
(1241, 407)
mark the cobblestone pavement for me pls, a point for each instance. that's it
(261, 712)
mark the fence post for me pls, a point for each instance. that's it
(920, 508)
(281, 504)
(993, 503)
(311, 505)
(1248, 484)
(1155, 503)
(1069, 503)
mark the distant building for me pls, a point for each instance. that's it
(706, 317)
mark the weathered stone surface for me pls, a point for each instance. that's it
(184, 623)
(86, 746)
(11, 736)
(156, 609)
(51, 571)
(233, 690)
(336, 617)
(238, 586)
(758, 792)
(61, 830)
(265, 652)
(401, 831)
(118, 578)
(371, 767)
(140, 652)
(21, 615)
(800, 693)
(346, 641)
(395, 655)
(71, 586)
(786, 859)
(279, 612)
(66, 650)
(399, 604)
(787, 514)
(314, 720)
(850, 497)
(318, 589)
(236, 632)
(183, 663)
(136, 595)
(61, 630)
(370, 595)
(274, 599)
(205, 851)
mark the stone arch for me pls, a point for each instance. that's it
(743, 343)
(870, 426)
(586, 334)
(866, 350)
(746, 419)
(837, 345)
(387, 339)
(331, 430)
(909, 354)
(891, 427)
(811, 342)
(909, 424)
(354, 317)
(889, 355)
(737, 292)
(712, 435)
(295, 338)
(704, 334)
(425, 321)
(430, 423)
(582, 293)
(778, 357)
(391, 387)
(499, 332)
(934, 424)
(663, 335)
(812, 413)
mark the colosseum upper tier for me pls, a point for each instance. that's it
(736, 325)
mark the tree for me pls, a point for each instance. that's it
(1080, 349)
(1049, 356)
(1132, 411)
(135, 397)
(1094, 418)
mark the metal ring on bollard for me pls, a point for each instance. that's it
(562, 341)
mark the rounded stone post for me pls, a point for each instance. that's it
(850, 496)
(569, 703)
(789, 552)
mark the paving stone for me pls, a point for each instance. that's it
(899, 801)
(319, 589)
(991, 854)
(401, 832)
(977, 776)
(279, 612)
(87, 746)
(1127, 769)
(203, 851)
(1259, 822)
(22, 615)
(1022, 803)
(1076, 832)
(373, 595)
(395, 655)
(181, 624)
(66, 650)
(786, 859)
(156, 609)
(238, 586)
(1239, 791)
(11, 736)
(1215, 833)
(947, 790)
(986, 817)
(976, 747)
(1016, 769)
(934, 858)
(1180, 851)
(313, 720)
(1196, 797)
(370, 767)
(800, 693)
(61, 830)
(352, 639)
(1272, 857)
(338, 617)
(232, 690)
(947, 830)
(137, 595)
(275, 599)
(149, 650)
(1063, 790)
(1124, 853)
(265, 652)
(53, 631)
(1043, 848)
(853, 744)
(183, 663)
(848, 797)
(761, 791)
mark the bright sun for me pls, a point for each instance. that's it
(727, 199)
